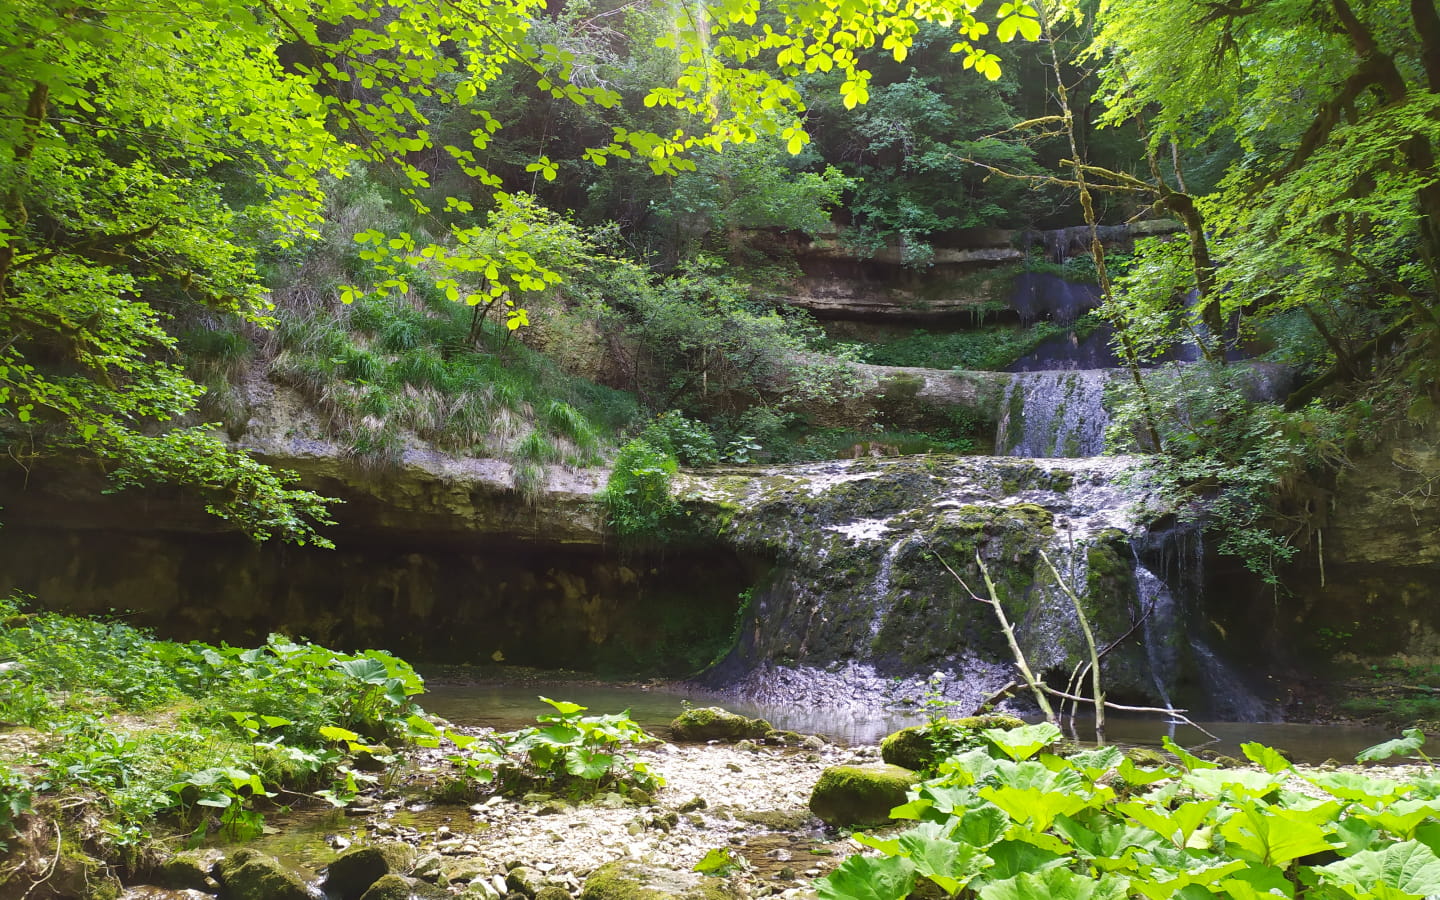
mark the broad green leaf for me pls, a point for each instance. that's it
(716, 859)
(980, 826)
(1270, 835)
(1354, 786)
(1055, 884)
(336, 733)
(1133, 774)
(1408, 744)
(564, 707)
(1187, 759)
(1265, 757)
(867, 878)
(1024, 742)
(1410, 867)
(369, 671)
(1014, 857)
(1036, 807)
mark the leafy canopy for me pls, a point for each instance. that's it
(147, 151)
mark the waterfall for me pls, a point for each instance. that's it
(1054, 414)
(1158, 612)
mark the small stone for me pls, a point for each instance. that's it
(813, 742)
(693, 804)
(748, 746)
(428, 867)
(734, 767)
(523, 879)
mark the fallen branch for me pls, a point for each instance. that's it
(1118, 707)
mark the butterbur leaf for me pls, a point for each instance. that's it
(1013, 858)
(587, 764)
(1024, 742)
(336, 733)
(1409, 867)
(1274, 836)
(980, 827)
(1265, 757)
(866, 878)
(716, 860)
(369, 671)
(1055, 884)
(1408, 744)
(1189, 760)
(1133, 774)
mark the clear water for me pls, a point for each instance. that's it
(508, 707)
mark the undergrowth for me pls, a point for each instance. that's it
(157, 736)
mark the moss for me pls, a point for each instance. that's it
(255, 876)
(860, 795)
(711, 723)
(921, 747)
(1144, 756)
(624, 880)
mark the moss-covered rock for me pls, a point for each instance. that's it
(629, 880)
(711, 723)
(920, 747)
(191, 870)
(352, 874)
(251, 875)
(398, 887)
(860, 795)
(551, 892)
(1144, 756)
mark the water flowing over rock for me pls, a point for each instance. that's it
(1054, 414)
(875, 565)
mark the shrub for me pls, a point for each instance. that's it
(637, 494)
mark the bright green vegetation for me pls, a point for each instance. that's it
(990, 348)
(1010, 820)
(165, 737)
(161, 738)
(567, 752)
(151, 183)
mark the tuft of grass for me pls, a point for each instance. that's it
(403, 334)
(421, 367)
(568, 422)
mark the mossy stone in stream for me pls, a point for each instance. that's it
(860, 795)
(711, 723)
(251, 875)
(920, 747)
(352, 874)
(189, 870)
(398, 887)
(627, 880)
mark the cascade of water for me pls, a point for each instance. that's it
(1158, 612)
(1054, 414)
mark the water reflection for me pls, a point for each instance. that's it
(508, 707)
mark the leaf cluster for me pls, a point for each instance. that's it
(578, 754)
(1019, 822)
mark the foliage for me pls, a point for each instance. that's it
(236, 726)
(1018, 822)
(637, 494)
(1228, 458)
(992, 348)
(142, 175)
(566, 751)
(689, 441)
(15, 798)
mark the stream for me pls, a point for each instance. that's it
(507, 707)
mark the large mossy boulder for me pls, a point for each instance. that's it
(251, 875)
(920, 747)
(711, 723)
(348, 877)
(860, 795)
(631, 880)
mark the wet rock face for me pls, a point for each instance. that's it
(862, 550)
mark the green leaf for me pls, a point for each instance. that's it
(1055, 884)
(1409, 867)
(867, 878)
(1408, 745)
(715, 861)
(1274, 836)
(1024, 742)
(1266, 758)
(336, 733)
(564, 707)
